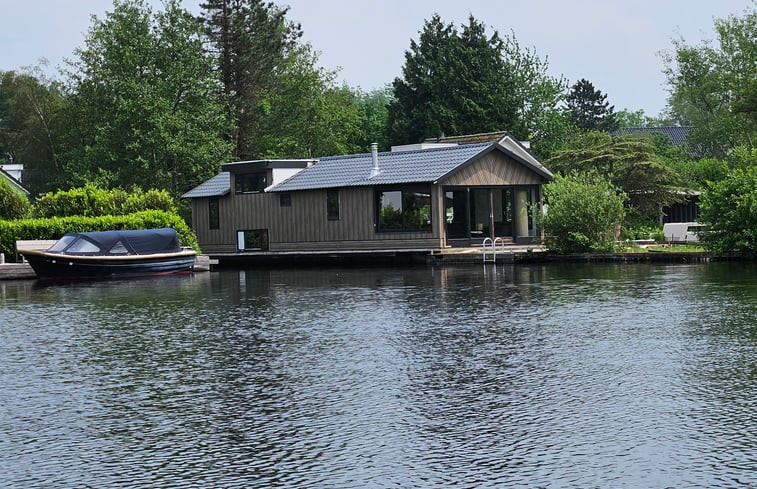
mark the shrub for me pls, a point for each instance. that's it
(92, 200)
(55, 227)
(13, 204)
(584, 212)
(729, 210)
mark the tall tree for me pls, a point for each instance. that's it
(589, 108)
(305, 114)
(465, 81)
(452, 83)
(249, 40)
(144, 106)
(31, 107)
(374, 114)
(714, 87)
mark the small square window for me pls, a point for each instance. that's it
(285, 200)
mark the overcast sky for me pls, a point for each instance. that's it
(612, 43)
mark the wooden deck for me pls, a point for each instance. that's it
(391, 257)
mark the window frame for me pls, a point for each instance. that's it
(332, 204)
(263, 236)
(214, 213)
(243, 183)
(425, 191)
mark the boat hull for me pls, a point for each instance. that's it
(49, 266)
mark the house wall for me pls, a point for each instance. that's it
(305, 225)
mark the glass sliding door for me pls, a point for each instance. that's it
(455, 213)
(480, 213)
(502, 211)
(491, 211)
(473, 214)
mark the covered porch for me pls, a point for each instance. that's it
(472, 214)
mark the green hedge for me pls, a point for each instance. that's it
(55, 227)
(92, 200)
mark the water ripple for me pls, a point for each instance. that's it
(602, 376)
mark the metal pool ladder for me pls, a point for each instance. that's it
(493, 244)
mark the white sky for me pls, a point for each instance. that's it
(612, 43)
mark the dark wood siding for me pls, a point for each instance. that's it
(304, 225)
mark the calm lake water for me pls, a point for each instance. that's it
(608, 376)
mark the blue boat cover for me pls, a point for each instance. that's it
(110, 243)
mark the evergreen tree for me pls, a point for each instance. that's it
(452, 83)
(589, 108)
(465, 81)
(630, 162)
(249, 40)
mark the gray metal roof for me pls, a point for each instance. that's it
(402, 167)
(215, 187)
(676, 134)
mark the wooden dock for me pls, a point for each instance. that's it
(389, 257)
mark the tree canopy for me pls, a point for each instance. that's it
(30, 126)
(589, 109)
(714, 87)
(143, 105)
(630, 162)
(465, 81)
(249, 40)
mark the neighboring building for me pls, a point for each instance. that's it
(676, 134)
(688, 210)
(424, 197)
(12, 173)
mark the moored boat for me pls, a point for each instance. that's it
(103, 254)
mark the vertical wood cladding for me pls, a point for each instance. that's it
(493, 168)
(304, 225)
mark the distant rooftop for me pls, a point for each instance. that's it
(482, 137)
(677, 134)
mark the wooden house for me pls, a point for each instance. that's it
(417, 197)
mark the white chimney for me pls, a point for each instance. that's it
(374, 156)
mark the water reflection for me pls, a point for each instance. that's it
(559, 376)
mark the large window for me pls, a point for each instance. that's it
(248, 183)
(332, 205)
(214, 219)
(404, 210)
(252, 239)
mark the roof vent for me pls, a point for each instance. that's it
(374, 157)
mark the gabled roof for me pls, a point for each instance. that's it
(676, 134)
(401, 167)
(14, 183)
(217, 186)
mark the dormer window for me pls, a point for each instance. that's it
(249, 183)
